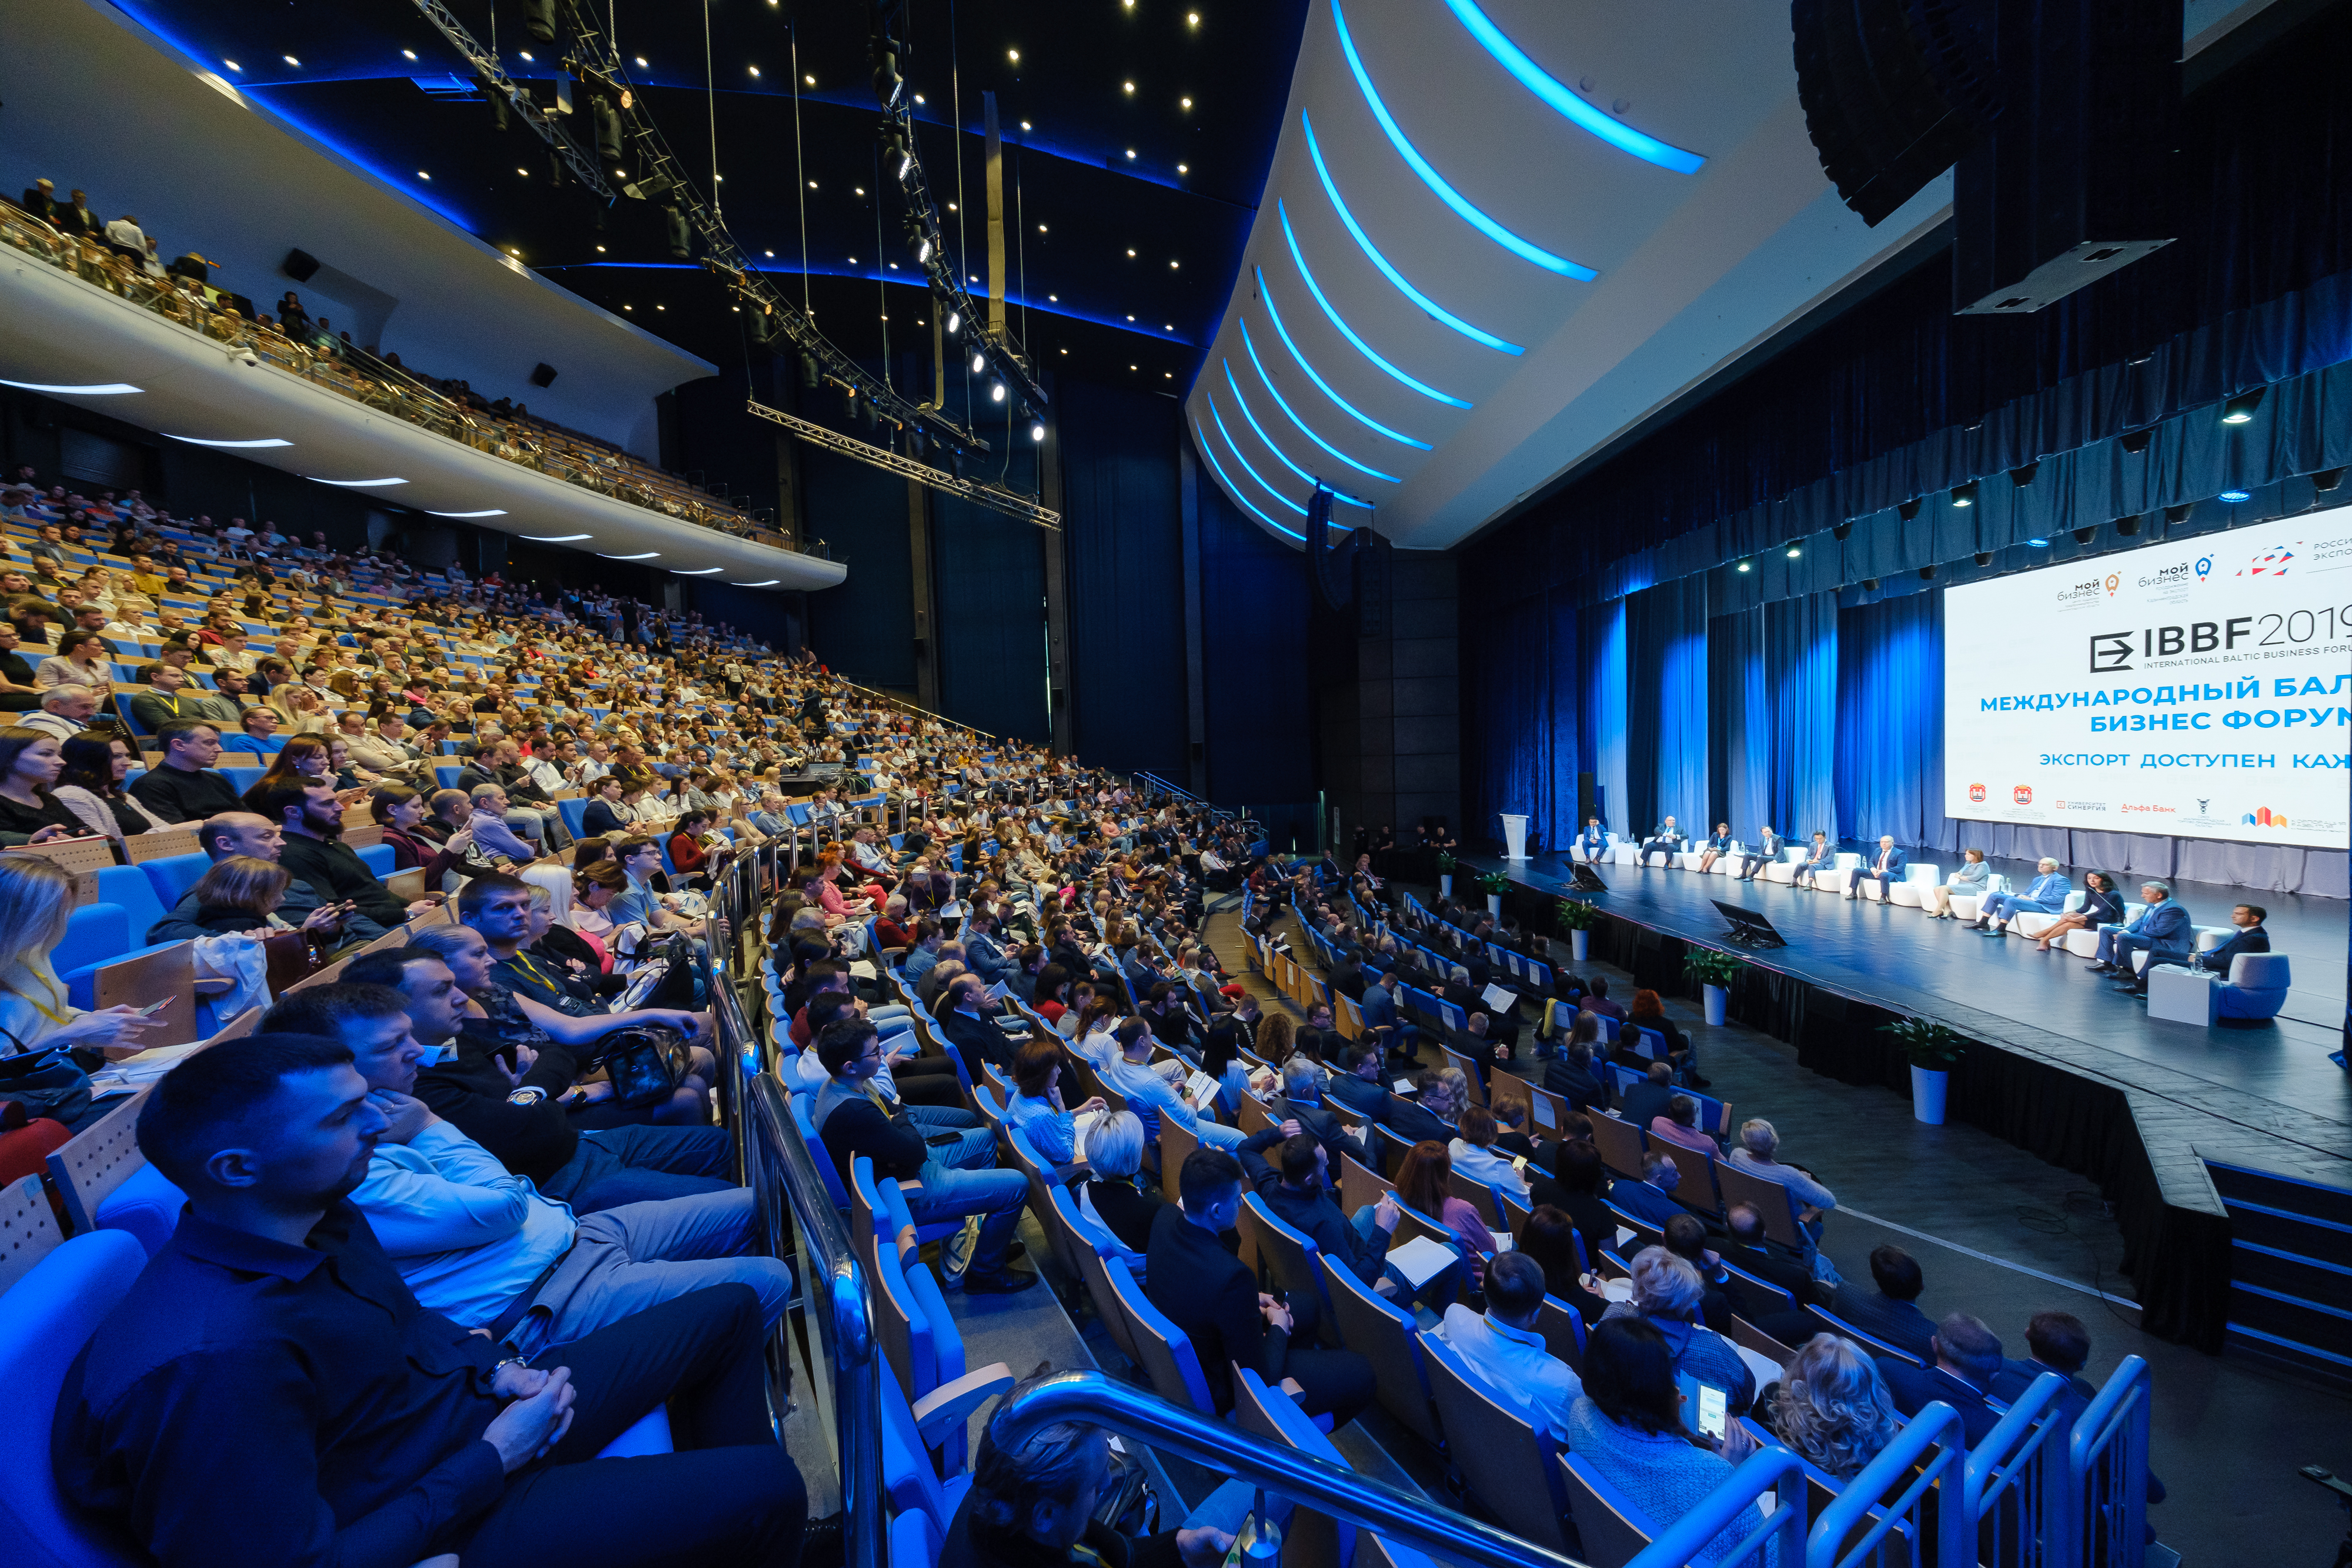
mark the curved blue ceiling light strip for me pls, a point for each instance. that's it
(1336, 493)
(1364, 243)
(1299, 256)
(1201, 439)
(1537, 81)
(1430, 177)
(1266, 297)
(1234, 447)
(1283, 403)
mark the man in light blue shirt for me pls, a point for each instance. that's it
(2046, 896)
(482, 1246)
(1503, 1351)
(1150, 1096)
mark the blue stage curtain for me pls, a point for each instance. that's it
(1523, 753)
(1669, 696)
(1800, 661)
(1742, 723)
(1890, 722)
(1601, 712)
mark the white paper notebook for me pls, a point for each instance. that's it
(1421, 1260)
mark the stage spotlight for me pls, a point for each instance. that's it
(1965, 495)
(1908, 509)
(996, 392)
(1926, 574)
(2084, 536)
(2175, 516)
(1037, 431)
(1984, 558)
(1794, 551)
(955, 321)
(979, 361)
(2135, 441)
(1842, 531)
(676, 223)
(539, 20)
(2241, 408)
(811, 376)
(1743, 566)
(2127, 527)
(1870, 585)
(2327, 480)
(2234, 496)
(607, 121)
(2022, 475)
(498, 102)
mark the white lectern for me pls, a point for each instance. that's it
(1515, 837)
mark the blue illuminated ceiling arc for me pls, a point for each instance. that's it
(1234, 447)
(1283, 403)
(1265, 298)
(1242, 403)
(1298, 258)
(1558, 95)
(1201, 441)
(1527, 250)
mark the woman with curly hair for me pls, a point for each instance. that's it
(1832, 1407)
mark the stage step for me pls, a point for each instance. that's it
(2291, 1269)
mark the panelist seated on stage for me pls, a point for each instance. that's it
(2161, 930)
(1714, 847)
(1885, 869)
(1970, 880)
(1592, 842)
(1667, 841)
(2248, 938)
(1822, 857)
(2046, 896)
(1767, 849)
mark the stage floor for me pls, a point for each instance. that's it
(2267, 1095)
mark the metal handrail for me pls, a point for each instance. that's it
(1935, 1444)
(2111, 1436)
(2025, 1455)
(1774, 1469)
(1312, 1482)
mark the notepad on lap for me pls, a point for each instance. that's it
(1421, 1260)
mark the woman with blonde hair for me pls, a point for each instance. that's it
(303, 711)
(241, 895)
(35, 902)
(1832, 1407)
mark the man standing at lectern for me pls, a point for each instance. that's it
(1884, 869)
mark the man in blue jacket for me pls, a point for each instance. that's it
(1885, 869)
(2161, 929)
(2046, 896)
(1594, 841)
(2248, 938)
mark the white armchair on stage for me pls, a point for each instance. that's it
(1910, 893)
(1842, 873)
(1784, 870)
(1608, 852)
(2256, 989)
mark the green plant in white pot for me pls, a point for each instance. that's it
(1577, 918)
(1445, 874)
(1494, 884)
(1714, 970)
(1935, 1049)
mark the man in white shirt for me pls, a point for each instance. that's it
(1503, 1351)
(66, 711)
(482, 1246)
(1151, 1096)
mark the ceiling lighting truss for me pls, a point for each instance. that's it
(486, 66)
(659, 172)
(1005, 501)
(926, 236)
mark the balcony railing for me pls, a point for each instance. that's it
(385, 388)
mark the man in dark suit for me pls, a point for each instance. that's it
(1889, 1314)
(41, 201)
(1650, 1099)
(1885, 869)
(1967, 1359)
(1751, 1251)
(1302, 1098)
(1477, 1044)
(1570, 1076)
(2060, 1344)
(1415, 1122)
(1358, 1085)
(970, 1030)
(2248, 938)
(1650, 1199)
(2161, 927)
(1767, 851)
(1206, 1293)
(1297, 1184)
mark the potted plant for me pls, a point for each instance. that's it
(1494, 884)
(1935, 1049)
(1445, 874)
(1577, 918)
(1713, 969)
